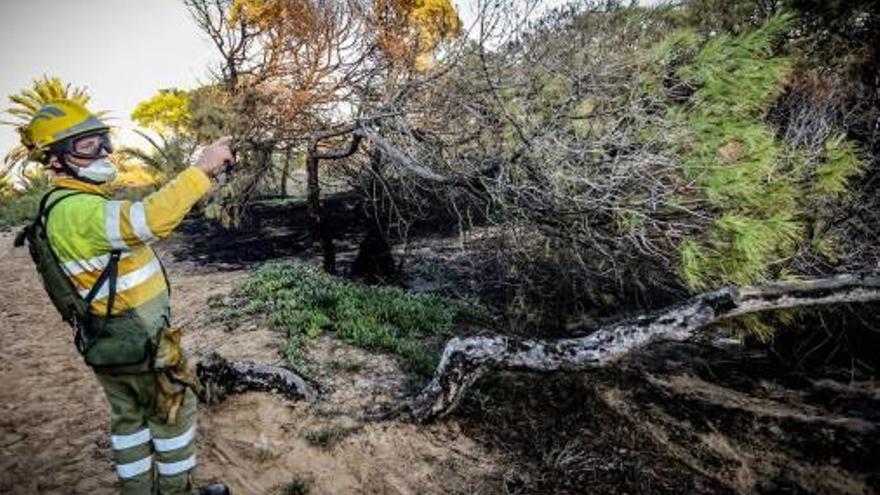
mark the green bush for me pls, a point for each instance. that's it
(19, 208)
(306, 302)
(760, 192)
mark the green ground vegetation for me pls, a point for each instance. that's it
(304, 302)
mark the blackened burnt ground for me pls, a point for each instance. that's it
(678, 418)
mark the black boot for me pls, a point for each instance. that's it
(218, 489)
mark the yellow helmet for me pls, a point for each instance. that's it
(55, 122)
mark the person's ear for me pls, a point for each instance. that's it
(53, 163)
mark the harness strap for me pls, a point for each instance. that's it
(110, 271)
(42, 214)
(112, 267)
(43, 210)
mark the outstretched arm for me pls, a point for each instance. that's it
(131, 224)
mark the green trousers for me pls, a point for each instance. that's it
(151, 457)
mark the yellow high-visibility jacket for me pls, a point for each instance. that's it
(84, 228)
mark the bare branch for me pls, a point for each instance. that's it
(466, 359)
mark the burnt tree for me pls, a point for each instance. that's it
(319, 230)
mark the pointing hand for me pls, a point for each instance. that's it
(215, 155)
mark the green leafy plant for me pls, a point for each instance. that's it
(759, 190)
(306, 302)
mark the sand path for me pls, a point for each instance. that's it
(54, 418)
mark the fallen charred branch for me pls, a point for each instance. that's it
(464, 360)
(221, 377)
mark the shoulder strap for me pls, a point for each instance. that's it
(41, 217)
(110, 271)
(43, 210)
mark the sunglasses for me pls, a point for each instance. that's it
(88, 146)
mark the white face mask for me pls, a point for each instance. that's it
(100, 171)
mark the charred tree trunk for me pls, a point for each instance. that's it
(285, 171)
(374, 262)
(318, 228)
(466, 359)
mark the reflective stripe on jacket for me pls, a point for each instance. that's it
(84, 229)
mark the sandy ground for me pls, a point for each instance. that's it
(54, 419)
(675, 418)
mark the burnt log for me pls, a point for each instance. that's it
(220, 377)
(464, 360)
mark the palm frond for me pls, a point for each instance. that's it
(48, 89)
(25, 104)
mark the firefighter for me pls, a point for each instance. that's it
(102, 247)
